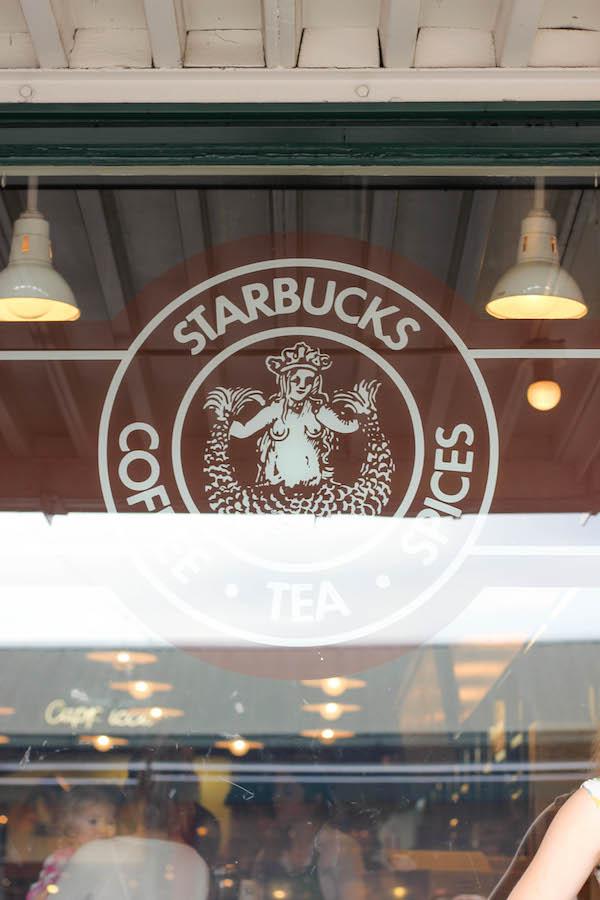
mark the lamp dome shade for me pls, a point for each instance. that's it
(537, 287)
(31, 290)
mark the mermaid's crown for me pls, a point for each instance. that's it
(296, 357)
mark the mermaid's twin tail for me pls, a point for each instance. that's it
(370, 493)
(225, 493)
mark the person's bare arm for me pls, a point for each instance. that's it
(569, 852)
(527, 848)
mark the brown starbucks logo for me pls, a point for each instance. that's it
(294, 421)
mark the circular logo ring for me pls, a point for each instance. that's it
(449, 571)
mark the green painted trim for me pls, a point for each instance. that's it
(332, 134)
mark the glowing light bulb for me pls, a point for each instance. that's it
(328, 734)
(453, 823)
(102, 742)
(399, 891)
(52, 889)
(28, 308)
(239, 747)
(141, 689)
(331, 711)
(543, 395)
(334, 686)
(123, 657)
(156, 712)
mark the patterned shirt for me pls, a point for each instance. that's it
(50, 872)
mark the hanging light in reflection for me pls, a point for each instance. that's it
(102, 742)
(121, 660)
(4, 739)
(156, 713)
(239, 746)
(330, 711)
(334, 686)
(31, 290)
(537, 287)
(544, 395)
(544, 392)
(141, 690)
(327, 735)
(399, 891)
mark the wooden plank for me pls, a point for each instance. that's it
(400, 86)
(232, 48)
(398, 30)
(515, 32)
(454, 48)
(17, 51)
(565, 48)
(282, 30)
(101, 48)
(45, 33)
(340, 48)
(166, 28)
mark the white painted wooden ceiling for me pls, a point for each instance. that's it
(308, 34)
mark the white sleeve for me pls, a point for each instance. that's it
(592, 786)
(74, 882)
(202, 879)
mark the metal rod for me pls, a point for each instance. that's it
(538, 193)
(32, 192)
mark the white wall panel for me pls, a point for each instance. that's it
(17, 51)
(215, 14)
(557, 47)
(454, 48)
(572, 14)
(459, 13)
(225, 48)
(108, 13)
(11, 17)
(339, 48)
(102, 48)
(341, 13)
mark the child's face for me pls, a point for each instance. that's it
(92, 822)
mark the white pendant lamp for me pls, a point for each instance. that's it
(537, 287)
(31, 290)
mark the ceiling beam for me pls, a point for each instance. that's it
(102, 224)
(12, 433)
(166, 27)
(464, 270)
(282, 31)
(45, 32)
(516, 27)
(300, 86)
(398, 31)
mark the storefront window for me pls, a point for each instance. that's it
(299, 482)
